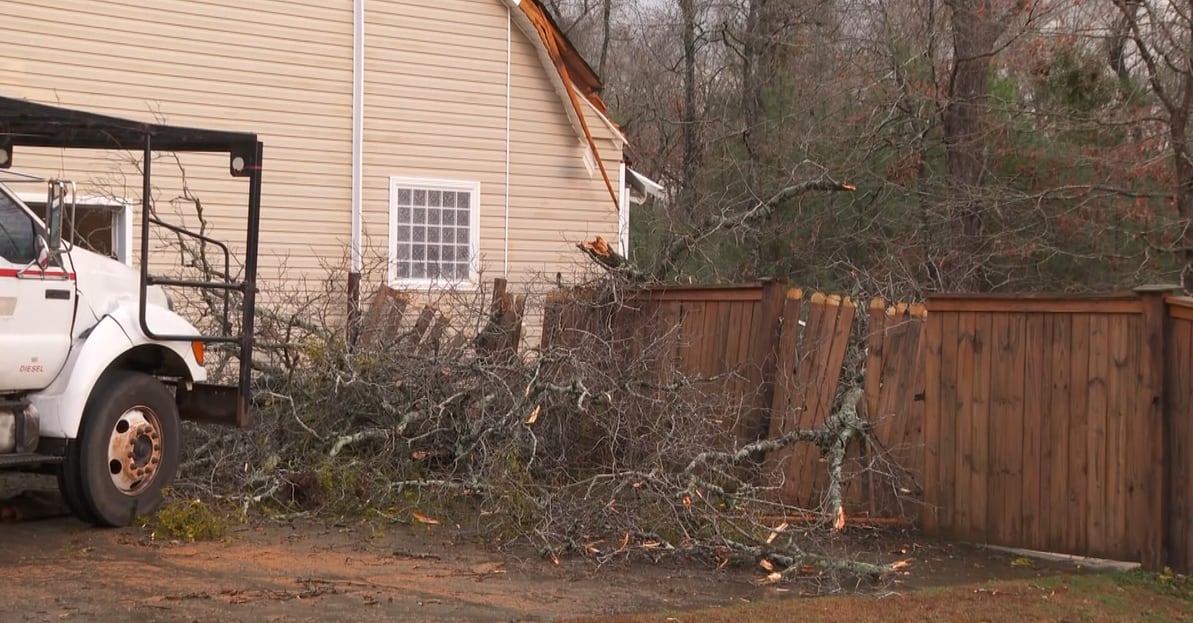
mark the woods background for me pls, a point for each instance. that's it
(995, 145)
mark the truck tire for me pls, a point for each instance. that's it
(127, 450)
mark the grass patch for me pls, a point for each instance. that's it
(1166, 582)
(1112, 597)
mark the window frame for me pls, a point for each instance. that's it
(122, 213)
(34, 221)
(473, 187)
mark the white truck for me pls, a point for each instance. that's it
(96, 368)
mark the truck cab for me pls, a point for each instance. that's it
(97, 370)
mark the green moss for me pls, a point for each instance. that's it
(187, 520)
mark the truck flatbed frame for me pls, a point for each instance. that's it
(30, 124)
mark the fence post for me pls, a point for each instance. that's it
(1156, 335)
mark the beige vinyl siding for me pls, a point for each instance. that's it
(435, 101)
(436, 98)
(435, 108)
(554, 201)
(280, 68)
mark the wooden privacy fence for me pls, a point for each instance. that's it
(1053, 423)
(1061, 424)
(774, 358)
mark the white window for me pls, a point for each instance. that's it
(105, 225)
(434, 232)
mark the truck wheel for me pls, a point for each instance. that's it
(128, 448)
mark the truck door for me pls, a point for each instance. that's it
(37, 308)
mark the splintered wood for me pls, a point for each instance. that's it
(387, 324)
(383, 318)
(806, 385)
(765, 360)
(894, 406)
(502, 334)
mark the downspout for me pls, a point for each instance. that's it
(623, 212)
(509, 24)
(356, 253)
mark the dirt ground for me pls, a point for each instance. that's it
(55, 569)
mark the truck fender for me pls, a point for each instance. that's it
(166, 322)
(114, 337)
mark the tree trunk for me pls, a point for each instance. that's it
(690, 140)
(751, 92)
(606, 17)
(976, 28)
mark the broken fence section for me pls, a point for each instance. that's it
(387, 324)
(763, 360)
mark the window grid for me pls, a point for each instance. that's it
(433, 232)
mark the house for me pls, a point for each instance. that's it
(452, 141)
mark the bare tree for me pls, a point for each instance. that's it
(1163, 39)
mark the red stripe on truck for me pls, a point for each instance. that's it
(33, 273)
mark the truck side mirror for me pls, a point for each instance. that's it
(55, 203)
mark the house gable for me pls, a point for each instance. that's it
(457, 94)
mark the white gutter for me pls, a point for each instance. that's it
(623, 212)
(358, 104)
(509, 24)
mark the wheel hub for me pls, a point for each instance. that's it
(135, 450)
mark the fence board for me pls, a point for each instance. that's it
(1079, 466)
(828, 384)
(1037, 388)
(1099, 370)
(763, 356)
(912, 442)
(1005, 492)
(706, 344)
(933, 413)
(946, 428)
(1179, 449)
(692, 336)
(875, 496)
(1119, 394)
(967, 327)
(782, 417)
(1152, 418)
(729, 350)
(977, 437)
(811, 358)
(1057, 519)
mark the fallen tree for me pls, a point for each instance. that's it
(574, 450)
(582, 447)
